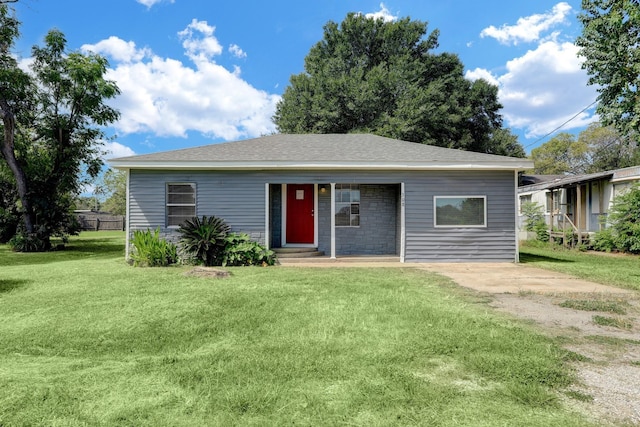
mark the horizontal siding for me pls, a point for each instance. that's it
(238, 197)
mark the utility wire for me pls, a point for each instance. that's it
(562, 125)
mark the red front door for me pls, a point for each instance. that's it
(300, 222)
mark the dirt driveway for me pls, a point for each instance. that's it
(604, 345)
(604, 338)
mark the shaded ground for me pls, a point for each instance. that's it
(606, 358)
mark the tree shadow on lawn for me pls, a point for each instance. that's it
(532, 259)
(72, 251)
(8, 285)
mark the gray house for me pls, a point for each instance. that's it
(345, 195)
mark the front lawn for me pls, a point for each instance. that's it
(621, 270)
(89, 340)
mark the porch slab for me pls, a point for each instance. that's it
(344, 261)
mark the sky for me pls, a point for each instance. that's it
(196, 72)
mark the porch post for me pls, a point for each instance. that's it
(333, 220)
(403, 241)
(267, 229)
(578, 217)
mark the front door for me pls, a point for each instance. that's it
(300, 221)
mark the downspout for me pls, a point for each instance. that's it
(516, 217)
(127, 221)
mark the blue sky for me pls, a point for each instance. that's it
(200, 72)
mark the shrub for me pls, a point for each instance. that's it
(240, 250)
(534, 220)
(204, 239)
(604, 240)
(150, 250)
(29, 242)
(623, 233)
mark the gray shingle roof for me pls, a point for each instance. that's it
(317, 149)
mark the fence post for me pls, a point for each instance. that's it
(97, 224)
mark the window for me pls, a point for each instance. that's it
(347, 205)
(460, 211)
(181, 203)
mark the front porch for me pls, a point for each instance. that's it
(338, 220)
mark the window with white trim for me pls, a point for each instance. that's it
(347, 205)
(460, 211)
(181, 202)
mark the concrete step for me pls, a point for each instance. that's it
(297, 252)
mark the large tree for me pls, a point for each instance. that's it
(609, 44)
(607, 149)
(368, 75)
(53, 122)
(562, 154)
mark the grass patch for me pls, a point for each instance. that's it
(615, 322)
(619, 271)
(89, 340)
(579, 396)
(608, 306)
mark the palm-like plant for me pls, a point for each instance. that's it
(204, 239)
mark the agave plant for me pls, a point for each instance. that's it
(204, 239)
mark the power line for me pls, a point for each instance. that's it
(562, 125)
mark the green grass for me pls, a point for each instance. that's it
(89, 340)
(615, 322)
(621, 271)
(616, 306)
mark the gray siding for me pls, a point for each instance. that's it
(239, 198)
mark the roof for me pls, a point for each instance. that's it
(625, 174)
(320, 151)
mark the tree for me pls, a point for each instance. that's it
(562, 154)
(623, 232)
(609, 44)
(53, 121)
(114, 183)
(367, 75)
(607, 149)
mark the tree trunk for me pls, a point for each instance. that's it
(7, 148)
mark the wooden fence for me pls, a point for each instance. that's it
(101, 222)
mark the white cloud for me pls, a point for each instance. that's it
(115, 149)
(383, 14)
(481, 73)
(203, 48)
(236, 51)
(169, 98)
(543, 89)
(118, 49)
(150, 3)
(529, 29)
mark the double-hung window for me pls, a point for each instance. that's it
(347, 205)
(460, 211)
(181, 203)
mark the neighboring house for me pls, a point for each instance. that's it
(580, 202)
(348, 194)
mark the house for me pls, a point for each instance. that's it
(578, 202)
(353, 194)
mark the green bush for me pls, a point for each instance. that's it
(240, 250)
(29, 242)
(204, 239)
(623, 233)
(604, 240)
(534, 220)
(150, 250)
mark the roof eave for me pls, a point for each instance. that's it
(201, 165)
